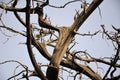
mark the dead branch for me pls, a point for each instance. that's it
(60, 6)
(88, 34)
(105, 32)
(115, 38)
(92, 59)
(29, 42)
(83, 16)
(12, 30)
(66, 36)
(63, 42)
(16, 14)
(114, 78)
(17, 74)
(24, 66)
(20, 64)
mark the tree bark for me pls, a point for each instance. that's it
(66, 34)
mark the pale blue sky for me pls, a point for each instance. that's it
(96, 46)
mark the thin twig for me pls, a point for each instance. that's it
(60, 6)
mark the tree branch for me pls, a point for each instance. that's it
(59, 6)
(29, 42)
(45, 24)
(66, 35)
(16, 14)
(85, 14)
(12, 30)
(65, 38)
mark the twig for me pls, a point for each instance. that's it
(116, 58)
(100, 13)
(88, 33)
(24, 66)
(12, 30)
(59, 6)
(16, 75)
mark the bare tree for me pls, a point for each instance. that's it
(60, 39)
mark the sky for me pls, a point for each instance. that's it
(14, 49)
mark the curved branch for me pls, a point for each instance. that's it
(11, 8)
(46, 3)
(113, 62)
(114, 78)
(8, 8)
(17, 74)
(60, 6)
(12, 30)
(16, 14)
(29, 42)
(41, 47)
(95, 60)
(44, 24)
(88, 71)
(24, 66)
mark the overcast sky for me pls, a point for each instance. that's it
(96, 46)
